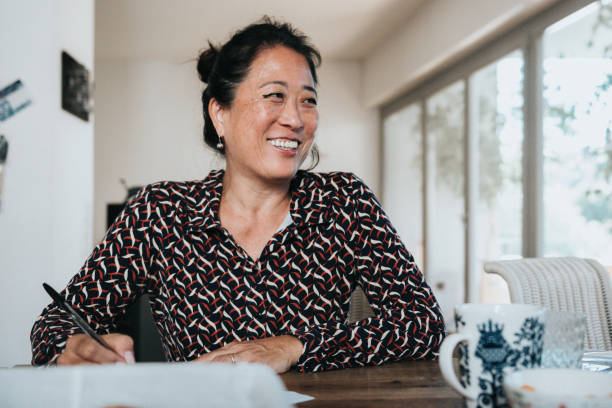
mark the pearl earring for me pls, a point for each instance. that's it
(220, 144)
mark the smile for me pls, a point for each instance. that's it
(284, 144)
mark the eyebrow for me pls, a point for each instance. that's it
(282, 83)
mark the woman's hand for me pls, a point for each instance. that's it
(82, 349)
(280, 353)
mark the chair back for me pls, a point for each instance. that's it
(360, 307)
(564, 284)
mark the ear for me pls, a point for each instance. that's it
(218, 114)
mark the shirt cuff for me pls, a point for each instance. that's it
(311, 340)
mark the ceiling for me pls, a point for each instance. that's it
(164, 29)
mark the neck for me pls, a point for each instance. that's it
(252, 196)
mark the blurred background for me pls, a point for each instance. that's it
(483, 126)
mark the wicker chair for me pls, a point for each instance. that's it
(565, 284)
(360, 307)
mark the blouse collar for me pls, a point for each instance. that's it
(309, 202)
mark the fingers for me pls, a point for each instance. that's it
(246, 352)
(90, 350)
(279, 353)
(229, 358)
(70, 358)
(122, 344)
(222, 355)
(82, 349)
(218, 356)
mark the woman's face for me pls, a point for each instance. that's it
(270, 127)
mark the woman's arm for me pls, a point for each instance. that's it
(113, 276)
(407, 323)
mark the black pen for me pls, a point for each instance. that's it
(77, 319)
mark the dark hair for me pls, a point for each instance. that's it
(224, 68)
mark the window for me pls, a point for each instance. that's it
(402, 167)
(516, 154)
(498, 128)
(577, 136)
(444, 129)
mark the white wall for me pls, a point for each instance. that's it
(438, 33)
(149, 126)
(46, 216)
(348, 130)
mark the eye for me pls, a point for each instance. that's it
(311, 101)
(274, 96)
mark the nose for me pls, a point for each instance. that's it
(291, 116)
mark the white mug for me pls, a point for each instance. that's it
(493, 340)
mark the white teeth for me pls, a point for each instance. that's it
(284, 144)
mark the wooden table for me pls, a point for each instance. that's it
(400, 384)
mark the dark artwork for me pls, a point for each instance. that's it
(75, 87)
(3, 149)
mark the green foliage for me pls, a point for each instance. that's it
(490, 123)
(596, 206)
(606, 168)
(604, 21)
(564, 115)
(446, 120)
(445, 123)
(596, 202)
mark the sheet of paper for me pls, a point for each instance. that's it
(145, 385)
(293, 397)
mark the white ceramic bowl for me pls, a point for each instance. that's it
(558, 387)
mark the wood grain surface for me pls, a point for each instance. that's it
(400, 384)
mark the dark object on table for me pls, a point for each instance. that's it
(75, 87)
(137, 322)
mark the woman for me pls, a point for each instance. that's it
(255, 263)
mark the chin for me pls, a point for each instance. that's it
(281, 171)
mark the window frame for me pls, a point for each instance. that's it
(526, 37)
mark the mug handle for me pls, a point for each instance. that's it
(446, 362)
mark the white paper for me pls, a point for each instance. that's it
(293, 397)
(144, 385)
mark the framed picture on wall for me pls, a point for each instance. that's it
(75, 87)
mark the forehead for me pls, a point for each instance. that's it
(279, 64)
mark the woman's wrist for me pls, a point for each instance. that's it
(293, 347)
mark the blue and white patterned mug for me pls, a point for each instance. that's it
(492, 340)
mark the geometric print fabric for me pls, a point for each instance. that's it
(206, 291)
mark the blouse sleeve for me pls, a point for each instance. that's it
(114, 275)
(407, 323)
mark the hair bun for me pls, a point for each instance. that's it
(206, 61)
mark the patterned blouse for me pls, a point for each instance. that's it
(206, 291)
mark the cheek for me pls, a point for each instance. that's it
(253, 117)
(263, 117)
(311, 121)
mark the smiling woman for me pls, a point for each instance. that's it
(257, 262)
(271, 122)
(225, 70)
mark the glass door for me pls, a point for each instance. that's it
(403, 176)
(445, 220)
(497, 91)
(577, 135)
